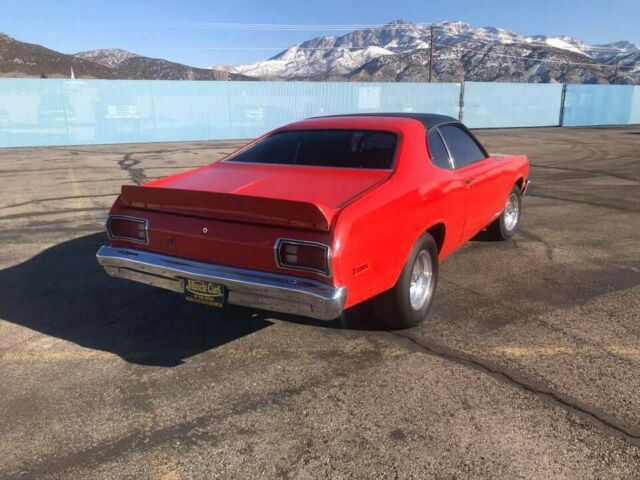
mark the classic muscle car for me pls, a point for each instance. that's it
(319, 216)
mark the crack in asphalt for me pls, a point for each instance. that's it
(128, 164)
(548, 249)
(601, 419)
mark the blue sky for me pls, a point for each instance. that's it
(173, 30)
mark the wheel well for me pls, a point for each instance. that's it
(520, 183)
(438, 233)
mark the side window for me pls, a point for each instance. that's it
(439, 153)
(463, 148)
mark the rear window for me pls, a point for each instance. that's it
(324, 148)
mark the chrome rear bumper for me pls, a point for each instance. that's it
(250, 288)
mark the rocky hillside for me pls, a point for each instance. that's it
(132, 65)
(20, 59)
(109, 57)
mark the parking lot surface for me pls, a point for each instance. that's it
(528, 366)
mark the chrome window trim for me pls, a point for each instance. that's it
(327, 248)
(437, 130)
(451, 164)
(144, 221)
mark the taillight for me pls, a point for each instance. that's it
(127, 228)
(303, 255)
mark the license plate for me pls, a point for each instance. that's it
(204, 293)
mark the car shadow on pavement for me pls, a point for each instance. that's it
(358, 318)
(63, 292)
(485, 236)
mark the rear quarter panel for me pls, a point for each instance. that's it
(514, 169)
(374, 235)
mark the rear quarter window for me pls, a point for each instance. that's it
(462, 146)
(324, 148)
(437, 149)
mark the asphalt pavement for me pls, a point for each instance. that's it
(526, 368)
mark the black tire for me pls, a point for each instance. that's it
(394, 307)
(503, 228)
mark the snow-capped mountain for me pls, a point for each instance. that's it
(109, 57)
(334, 56)
(398, 51)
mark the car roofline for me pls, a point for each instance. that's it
(428, 120)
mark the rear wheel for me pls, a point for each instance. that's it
(508, 222)
(407, 303)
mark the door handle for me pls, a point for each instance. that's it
(469, 181)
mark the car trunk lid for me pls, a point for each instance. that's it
(278, 195)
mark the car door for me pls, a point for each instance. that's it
(479, 173)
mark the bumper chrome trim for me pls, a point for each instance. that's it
(526, 187)
(250, 288)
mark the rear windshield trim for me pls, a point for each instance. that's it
(276, 132)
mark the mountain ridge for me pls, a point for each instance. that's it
(22, 59)
(561, 58)
(398, 51)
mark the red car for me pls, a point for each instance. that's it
(319, 216)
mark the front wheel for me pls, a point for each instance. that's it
(407, 303)
(504, 227)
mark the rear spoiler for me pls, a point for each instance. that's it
(226, 206)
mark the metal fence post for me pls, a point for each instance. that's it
(562, 100)
(461, 102)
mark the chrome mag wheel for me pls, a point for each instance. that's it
(511, 212)
(421, 286)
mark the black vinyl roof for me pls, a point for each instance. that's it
(429, 120)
